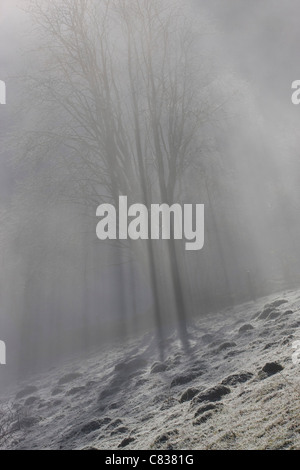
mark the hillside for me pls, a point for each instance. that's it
(237, 389)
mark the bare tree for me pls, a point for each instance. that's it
(117, 79)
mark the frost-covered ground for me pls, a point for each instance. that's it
(218, 397)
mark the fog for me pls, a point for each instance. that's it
(193, 107)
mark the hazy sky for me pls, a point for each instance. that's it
(261, 38)
(10, 24)
(256, 40)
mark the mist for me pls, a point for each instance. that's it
(75, 134)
